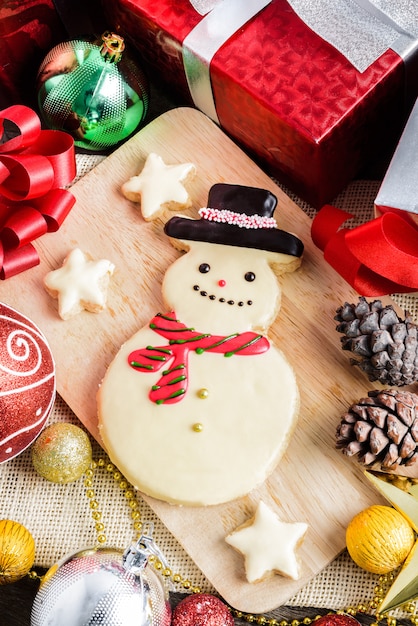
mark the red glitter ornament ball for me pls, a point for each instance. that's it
(27, 382)
(336, 620)
(202, 609)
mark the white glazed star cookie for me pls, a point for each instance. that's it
(160, 186)
(80, 284)
(268, 544)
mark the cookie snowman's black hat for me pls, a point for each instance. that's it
(237, 215)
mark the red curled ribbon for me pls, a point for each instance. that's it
(377, 258)
(35, 165)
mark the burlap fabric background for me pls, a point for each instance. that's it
(59, 516)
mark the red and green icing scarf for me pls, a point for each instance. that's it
(172, 385)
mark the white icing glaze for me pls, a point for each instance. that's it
(159, 186)
(229, 264)
(252, 400)
(268, 544)
(79, 284)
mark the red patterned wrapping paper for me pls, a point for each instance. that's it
(293, 102)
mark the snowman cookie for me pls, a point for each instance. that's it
(197, 408)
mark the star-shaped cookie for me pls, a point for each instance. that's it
(79, 284)
(268, 544)
(160, 186)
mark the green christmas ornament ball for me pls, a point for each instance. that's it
(93, 91)
(62, 453)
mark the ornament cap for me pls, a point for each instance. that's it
(112, 47)
(136, 557)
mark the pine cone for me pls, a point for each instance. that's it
(381, 429)
(387, 344)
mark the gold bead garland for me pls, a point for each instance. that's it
(384, 580)
(129, 494)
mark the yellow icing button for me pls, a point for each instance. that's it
(198, 427)
(203, 393)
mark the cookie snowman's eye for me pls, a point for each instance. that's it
(249, 277)
(204, 268)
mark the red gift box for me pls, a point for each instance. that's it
(292, 101)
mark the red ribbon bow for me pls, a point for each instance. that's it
(35, 165)
(377, 258)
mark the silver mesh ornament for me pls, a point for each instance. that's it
(93, 91)
(104, 586)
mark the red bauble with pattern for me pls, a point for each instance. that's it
(27, 382)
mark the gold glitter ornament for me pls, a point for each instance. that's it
(379, 539)
(17, 551)
(62, 453)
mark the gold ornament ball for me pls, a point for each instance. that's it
(379, 539)
(17, 551)
(62, 453)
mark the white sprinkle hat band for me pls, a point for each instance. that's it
(242, 220)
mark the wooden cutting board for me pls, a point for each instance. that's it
(313, 483)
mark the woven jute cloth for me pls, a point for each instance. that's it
(59, 516)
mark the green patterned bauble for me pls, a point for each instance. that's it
(93, 91)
